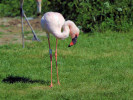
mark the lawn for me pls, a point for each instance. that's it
(98, 67)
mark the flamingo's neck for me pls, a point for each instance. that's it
(68, 28)
(62, 34)
(73, 28)
(66, 31)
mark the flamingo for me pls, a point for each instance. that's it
(38, 7)
(24, 15)
(53, 23)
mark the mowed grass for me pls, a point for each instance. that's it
(98, 67)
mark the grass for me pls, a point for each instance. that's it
(2, 26)
(98, 67)
(1, 33)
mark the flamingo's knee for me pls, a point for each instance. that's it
(55, 54)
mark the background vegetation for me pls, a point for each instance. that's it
(89, 15)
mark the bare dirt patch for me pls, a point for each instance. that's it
(10, 29)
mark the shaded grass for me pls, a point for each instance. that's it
(99, 66)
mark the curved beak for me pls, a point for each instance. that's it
(73, 42)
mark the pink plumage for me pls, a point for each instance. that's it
(55, 24)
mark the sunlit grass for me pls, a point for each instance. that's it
(99, 66)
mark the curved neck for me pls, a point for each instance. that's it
(73, 28)
(62, 34)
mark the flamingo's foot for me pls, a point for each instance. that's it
(51, 85)
(35, 38)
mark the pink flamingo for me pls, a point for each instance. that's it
(38, 7)
(24, 15)
(54, 23)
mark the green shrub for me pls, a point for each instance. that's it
(89, 15)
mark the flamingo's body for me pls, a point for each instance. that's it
(54, 23)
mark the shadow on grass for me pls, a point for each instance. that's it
(15, 79)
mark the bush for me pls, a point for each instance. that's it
(89, 15)
(97, 15)
(101, 15)
(11, 8)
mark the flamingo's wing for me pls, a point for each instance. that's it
(52, 22)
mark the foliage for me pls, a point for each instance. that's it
(89, 15)
(11, 8)
(98, 67)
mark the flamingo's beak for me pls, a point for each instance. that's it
(74, 40)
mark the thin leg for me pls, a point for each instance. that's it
(21, 13)
(34, 34)
(50, 52)
(22, 30)
(56, 62)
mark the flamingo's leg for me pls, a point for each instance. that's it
(50, 52)
(56, 62)
(21, 12)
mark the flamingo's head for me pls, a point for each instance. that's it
(74, 37)
(38, 7)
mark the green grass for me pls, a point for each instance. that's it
(1, 33)
(27, 32)
(98, 67)
(2, 26)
